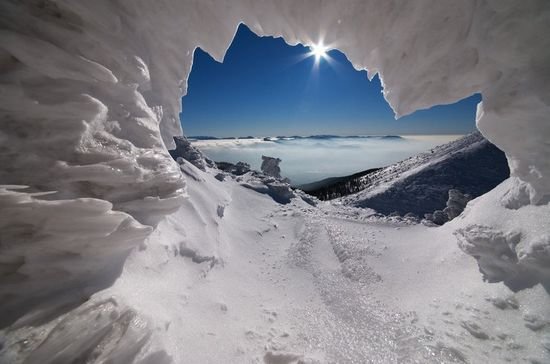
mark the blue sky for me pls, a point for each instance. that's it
(266, 87)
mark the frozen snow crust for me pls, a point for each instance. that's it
(90, 96)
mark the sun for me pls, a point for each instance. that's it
(318, 51)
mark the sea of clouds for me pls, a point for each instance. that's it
(309, 159)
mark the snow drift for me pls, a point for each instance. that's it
(90, 97)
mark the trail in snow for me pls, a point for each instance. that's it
(351, 325)
(329, 284)
(233, 277)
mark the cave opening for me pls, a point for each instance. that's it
(140, 259)
(328, 123)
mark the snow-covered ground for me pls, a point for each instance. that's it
(234, 277)
(420, 184)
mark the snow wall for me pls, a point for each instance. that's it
(90, 98)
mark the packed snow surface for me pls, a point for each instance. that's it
(235, 277)
(90, 97)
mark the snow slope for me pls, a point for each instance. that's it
(420, 184)
(234, 277)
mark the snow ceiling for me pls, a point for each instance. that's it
(91, 93)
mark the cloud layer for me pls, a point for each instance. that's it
(314, 158)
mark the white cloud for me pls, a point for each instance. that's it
(310, 159)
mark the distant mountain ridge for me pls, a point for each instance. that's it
(420, 184)
(282, 137)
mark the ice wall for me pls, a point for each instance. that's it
(90, 97)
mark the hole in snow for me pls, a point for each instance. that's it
(309, 107)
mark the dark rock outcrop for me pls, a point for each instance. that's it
(185, 150)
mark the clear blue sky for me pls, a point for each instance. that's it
(265, 87)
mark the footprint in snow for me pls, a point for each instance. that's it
(474, 329)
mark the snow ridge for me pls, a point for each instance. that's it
(420, 184)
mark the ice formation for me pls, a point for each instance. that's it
(90, 98)
(270, 166)
(456, 203)
(185, 150)
(237, 169)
